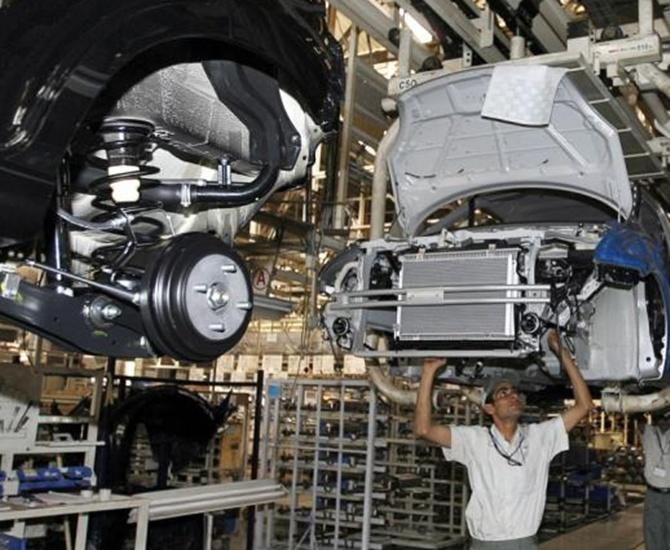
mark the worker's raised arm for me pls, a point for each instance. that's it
(583, 403)
(423, 423)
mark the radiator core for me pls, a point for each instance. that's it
(458, 322)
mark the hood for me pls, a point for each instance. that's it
(446, 150)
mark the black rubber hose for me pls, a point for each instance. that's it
(221, 196)
(236, 196)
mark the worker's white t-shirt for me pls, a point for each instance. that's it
(656, 446)
(507, 502)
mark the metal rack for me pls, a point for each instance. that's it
(33, 453)
(357, 478)
(52, 505)
(321, 441)
(30, 434)
(427, 498)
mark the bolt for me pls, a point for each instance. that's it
(218, 327)
(110, 312)
(216, 297)
(202, 289)
(244, 305)
(229, 268)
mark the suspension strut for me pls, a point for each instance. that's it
(128, 146)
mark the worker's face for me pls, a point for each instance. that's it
(506, 402)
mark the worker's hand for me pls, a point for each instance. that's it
(431, 366)
(561, 351)
(554, 341)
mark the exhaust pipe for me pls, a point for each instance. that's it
(613, 401)
(385, 385)
(381, 381)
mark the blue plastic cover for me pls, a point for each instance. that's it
(46, 479)
(78, 472)
(8, 542)
(632, 248)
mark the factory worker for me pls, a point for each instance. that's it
(656, 446)
(508, 462)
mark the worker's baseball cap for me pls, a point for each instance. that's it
(492, 384)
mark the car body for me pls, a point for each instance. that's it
(136, 137)
(502, 232)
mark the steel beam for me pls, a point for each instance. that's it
(466, 29)
(341, 192)
(373, 21)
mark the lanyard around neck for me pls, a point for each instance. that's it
(660, 443)
(509, 457)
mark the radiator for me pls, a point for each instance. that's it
(458, 322)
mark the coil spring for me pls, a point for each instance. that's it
(134, 145)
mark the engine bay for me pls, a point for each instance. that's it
(487, 296)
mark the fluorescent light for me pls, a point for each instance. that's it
(422, 35)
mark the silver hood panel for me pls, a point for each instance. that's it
(446, 150)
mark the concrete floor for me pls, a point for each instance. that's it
(621, 531)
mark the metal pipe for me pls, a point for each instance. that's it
(622, 403)
(656, 107)
(379, 182)
(177, 382)
(452, 302)
(315, 466)
(404, 51)
(124, 295)
(474, 395)
(258, 410)
(460, 353)
(294, 477)
(517, 47)
(658, 78)
(338, 486)
(446, 289)
(255, 454)
(369, 470)
(661, 117)
(385, 386)
(347, 123)
(383, 383)
(158, 512)
(61, 238)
